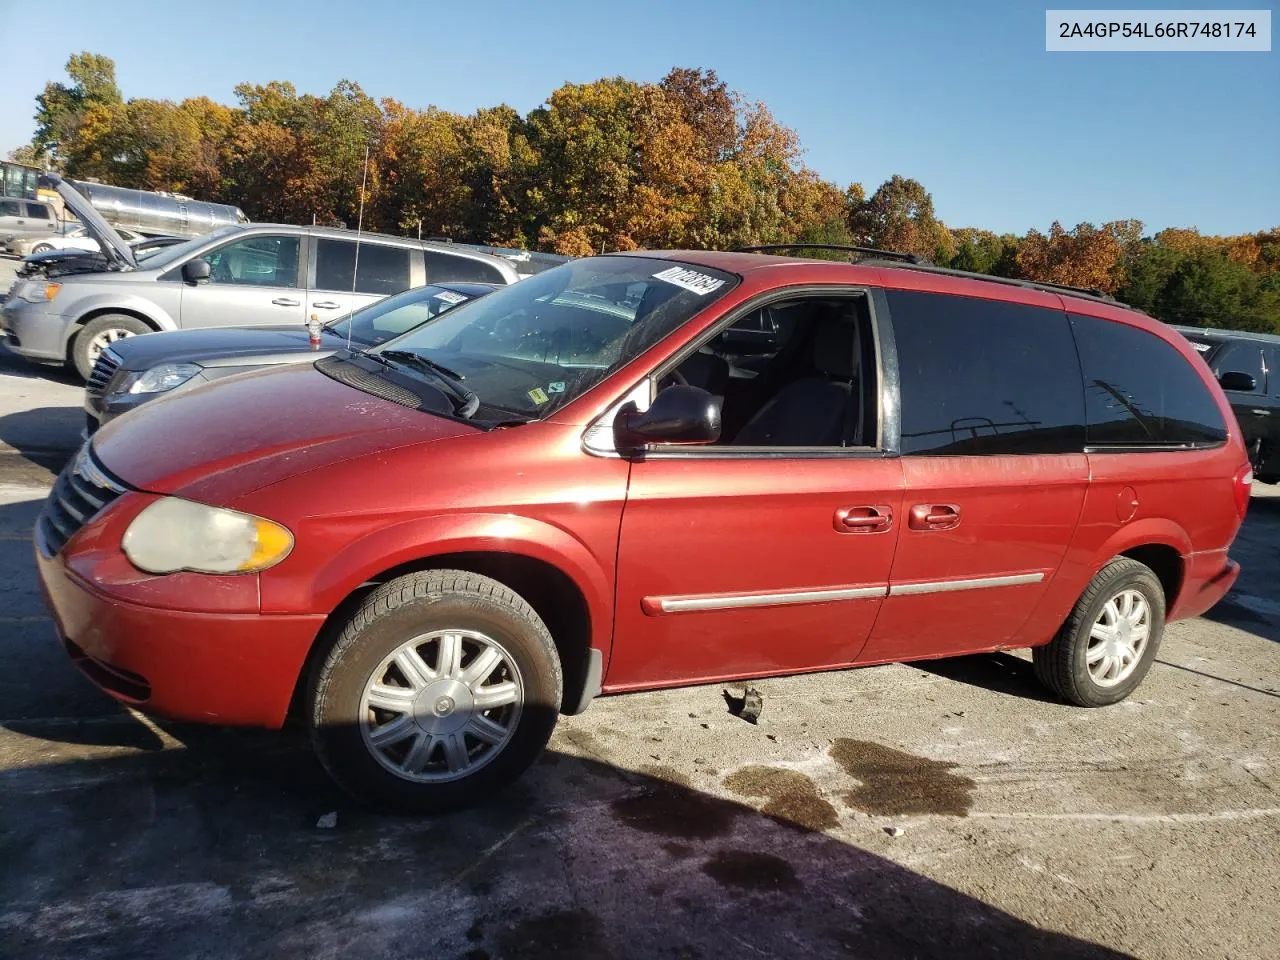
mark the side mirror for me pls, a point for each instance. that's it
(193, 271)
(678, 414)
(1241, 382)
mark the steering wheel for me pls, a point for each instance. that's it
(672, 378)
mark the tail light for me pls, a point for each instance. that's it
(1243, 486)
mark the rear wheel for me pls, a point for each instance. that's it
(442, 688)
(41, 248)
(98, 334)
(1109, 642)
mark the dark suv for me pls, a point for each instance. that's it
(1247, 366)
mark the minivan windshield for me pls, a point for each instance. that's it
(536, 345)
(178, 251)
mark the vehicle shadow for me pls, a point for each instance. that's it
(216, 848)
(997, 672)
(13, 365)
(47, 436)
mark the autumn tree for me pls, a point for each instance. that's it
(30, 155)
(607, 165)
(1086, 256)
(899, 216)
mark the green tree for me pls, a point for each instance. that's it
(899, 216)
(62, 108)
(981, 251)
(1209, 289)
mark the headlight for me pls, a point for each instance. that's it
(174, 534)
(162, 378)
(35, 291)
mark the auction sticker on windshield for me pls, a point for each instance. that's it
(448, 296)
(699, 283)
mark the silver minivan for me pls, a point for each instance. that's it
(26, 218)
(236, 275)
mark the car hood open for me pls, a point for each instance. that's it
(112, 244)
(221, 441)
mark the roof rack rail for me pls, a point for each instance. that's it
(868, 251)
(910, 261)
(1089, 293)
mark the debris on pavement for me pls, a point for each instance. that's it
(894, 831)
(748, 706)
(328, 821)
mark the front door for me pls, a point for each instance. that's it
(253, 280)
(768, 552)
(994, 469)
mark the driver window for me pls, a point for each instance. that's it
(256, 261)
(794, 374)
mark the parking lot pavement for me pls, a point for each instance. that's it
(658, 825)
(40, 406)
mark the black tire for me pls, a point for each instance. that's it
(399, 611)
(80, 349)
(1061, 664)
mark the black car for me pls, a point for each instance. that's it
(1247, 366)
(135, 370)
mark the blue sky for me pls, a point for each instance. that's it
(961, 96)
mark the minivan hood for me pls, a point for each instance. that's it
(111, 243)
(220, 441)
(225, 347)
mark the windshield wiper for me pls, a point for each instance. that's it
(416, 358)
(465, 401)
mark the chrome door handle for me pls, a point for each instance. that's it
(325, 304)
(1260, 413)
(286, 302)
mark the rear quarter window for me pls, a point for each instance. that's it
(39, 211)
(985, 376)
(1140, 392)
(447, 268)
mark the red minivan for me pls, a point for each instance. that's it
(638, 471)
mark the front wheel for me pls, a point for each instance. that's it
(1109, 641)
(41, 248)
(442, 688)
(98, 334)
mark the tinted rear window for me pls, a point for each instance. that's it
(446, 268)
(985, 377)
(39, 211)
(1140, 391)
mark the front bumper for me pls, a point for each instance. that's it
(31, 330)
(219, 668)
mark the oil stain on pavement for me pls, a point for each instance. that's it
(748, 870)
(791, 797)
(894, 783)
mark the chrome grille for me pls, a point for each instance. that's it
(82, 490)
(103, 371)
